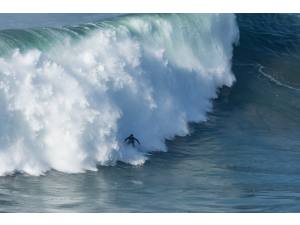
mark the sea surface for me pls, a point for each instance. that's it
(216, 106)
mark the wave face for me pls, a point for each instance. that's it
(69, 96)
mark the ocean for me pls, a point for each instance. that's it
(213, 99)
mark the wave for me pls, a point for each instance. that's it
(69, 96)
(274, 80)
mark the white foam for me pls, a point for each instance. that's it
(274, 80)
(70, 108)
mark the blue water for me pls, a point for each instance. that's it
(244, 158)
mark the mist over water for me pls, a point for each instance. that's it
(217, 113)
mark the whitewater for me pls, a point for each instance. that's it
(69, 96)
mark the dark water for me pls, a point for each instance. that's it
(245, 158)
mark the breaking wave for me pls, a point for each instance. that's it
(69, 96)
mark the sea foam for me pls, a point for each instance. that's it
(69, 107)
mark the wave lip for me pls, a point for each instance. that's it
(69, 108)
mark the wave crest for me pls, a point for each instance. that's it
(69, 107)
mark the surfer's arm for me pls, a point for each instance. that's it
(125, 139)
(137, 141)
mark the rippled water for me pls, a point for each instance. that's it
(245, 158)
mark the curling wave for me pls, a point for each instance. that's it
(69, 96)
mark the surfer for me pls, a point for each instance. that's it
(130, 140)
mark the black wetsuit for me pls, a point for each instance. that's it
(131, 140)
